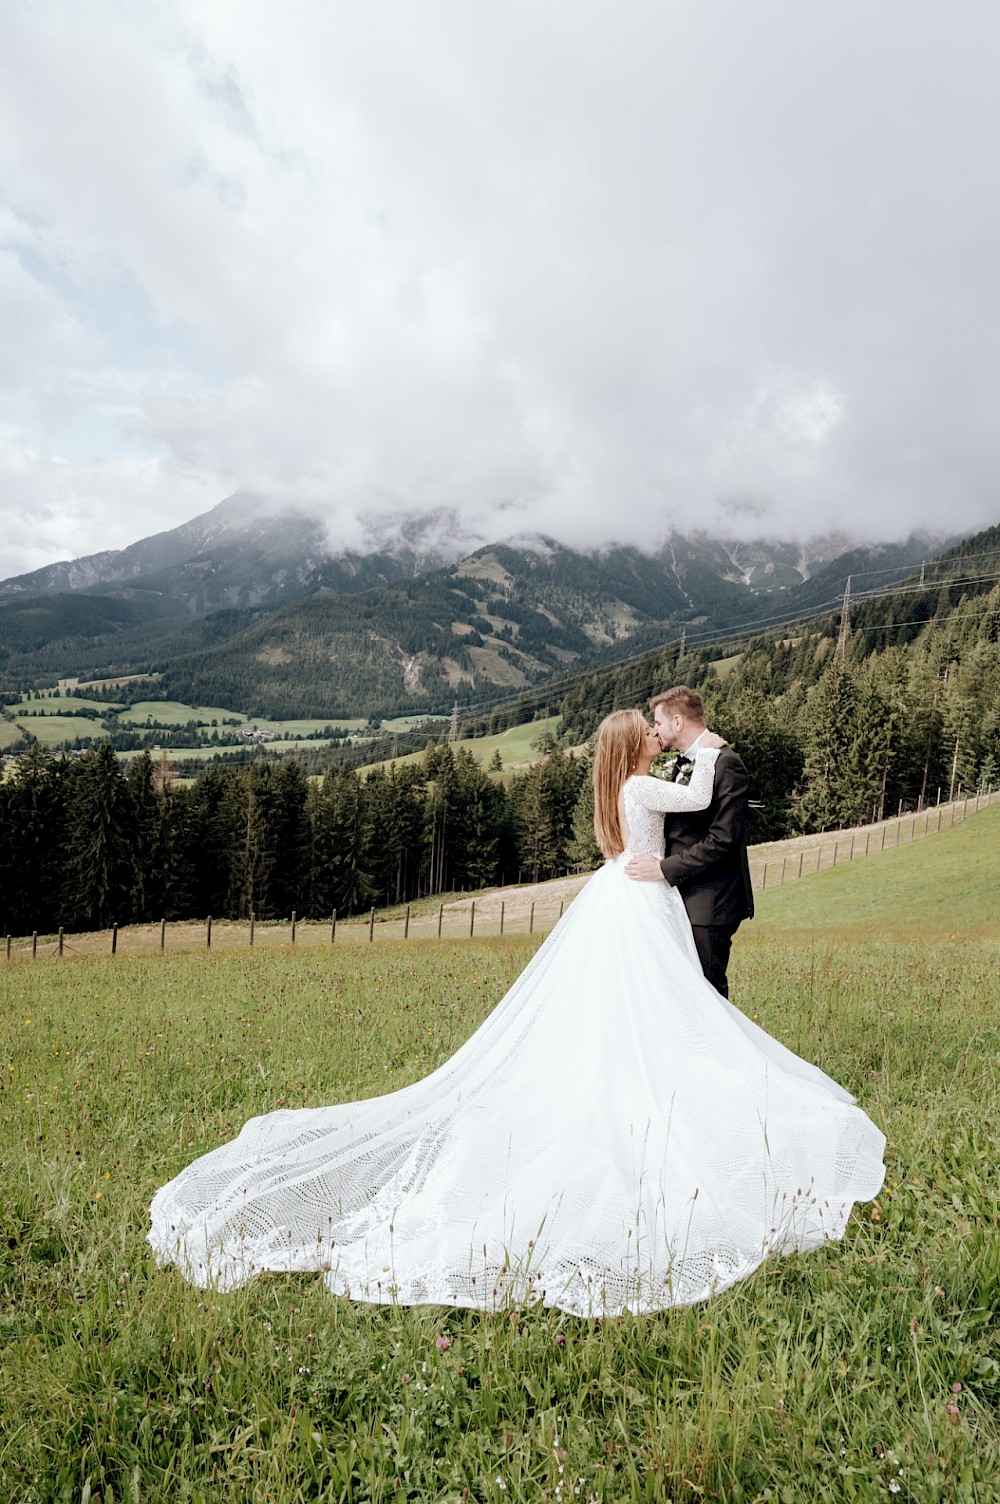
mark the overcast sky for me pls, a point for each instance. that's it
(586, 267)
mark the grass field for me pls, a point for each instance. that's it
(176, 713)
(517, 746)
(53, 730)
(869, 1371)
(61, 704)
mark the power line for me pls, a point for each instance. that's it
(554, 687)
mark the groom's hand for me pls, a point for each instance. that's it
(645, 869)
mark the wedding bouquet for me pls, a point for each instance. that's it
(665, 766)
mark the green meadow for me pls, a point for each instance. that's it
(518, 745)
(867, 1371)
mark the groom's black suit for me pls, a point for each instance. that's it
(706, 861)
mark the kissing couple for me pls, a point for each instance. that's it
(616, 1136)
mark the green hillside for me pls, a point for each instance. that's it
(943, 884)
(518, 746)
(867, 1370)
(374, 635)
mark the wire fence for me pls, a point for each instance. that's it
(804, 856)
(532, 909)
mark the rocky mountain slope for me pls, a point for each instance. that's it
(265, 611)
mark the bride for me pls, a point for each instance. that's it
(615, 1137)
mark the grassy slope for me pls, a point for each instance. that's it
(827, 1377)
(947, 882)
(518, 746)
(53, 730)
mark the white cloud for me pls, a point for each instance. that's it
(558, 265)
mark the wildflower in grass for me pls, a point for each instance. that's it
(442, 1344)
(560, 1339)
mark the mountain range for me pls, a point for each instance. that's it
(260, 609)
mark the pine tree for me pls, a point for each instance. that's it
(753, 723)
(830, 749)
(288, 840)
(144, 820)
(100, 867)
(341, 826)
(583, 848)
(33, 844)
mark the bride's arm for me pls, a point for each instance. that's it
(680, 798)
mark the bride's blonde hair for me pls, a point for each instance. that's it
(616, 752)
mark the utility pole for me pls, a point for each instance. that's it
(453, 728)
(923, 566)
(845, 620)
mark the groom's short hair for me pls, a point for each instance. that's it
(681, 701)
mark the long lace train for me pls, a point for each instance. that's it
(614, 1137)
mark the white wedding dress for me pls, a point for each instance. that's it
(614, 1137)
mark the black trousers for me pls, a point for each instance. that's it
(713, 943)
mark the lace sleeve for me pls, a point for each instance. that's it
(679, 798)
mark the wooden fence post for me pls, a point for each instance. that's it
(34, 943)
(406, 924)
(781, 879)
(836, 852)
(819, 855)
(253, 926)
(851, 857)
(333, 927)
(562, 905)
(371, 924)
(114, 940)
(763, 884)
(60, 939)
(440, 919)
(867, 835)
(531, 920)
(208, 933)
(801, 855)
(503, 905)
(163, 934)
(472, 918)
(294, 918)
(8, 947)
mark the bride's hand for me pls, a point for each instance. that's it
(711, 740)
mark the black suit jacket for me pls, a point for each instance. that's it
(706, 852)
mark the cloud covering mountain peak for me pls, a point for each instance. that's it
(585, 270)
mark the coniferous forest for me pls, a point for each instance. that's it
(834, 731)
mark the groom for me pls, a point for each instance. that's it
(706, 853)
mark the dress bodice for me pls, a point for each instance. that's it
(646, 800)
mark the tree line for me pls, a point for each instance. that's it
(904, 710)
(85, 843)
(834, 732)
